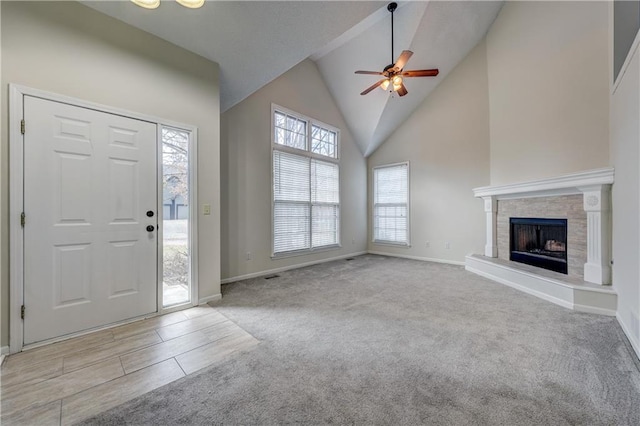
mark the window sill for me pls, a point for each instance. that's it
(287, 254)
(392, 244)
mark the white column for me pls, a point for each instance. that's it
(491, 211)
(596, 202)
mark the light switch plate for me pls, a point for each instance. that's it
(206, 209)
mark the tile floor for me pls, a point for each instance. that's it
(66, 382)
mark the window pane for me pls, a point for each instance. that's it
(290, 177)
(325, 225)
(175, 221)
(290, 227)
(289, 131)
(324, 142)
(390, 221)
(325, 182)
(391, 184)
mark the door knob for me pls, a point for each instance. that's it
(150, 228)
(150, 213)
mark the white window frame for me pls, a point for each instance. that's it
(313, 156)
(373, 205)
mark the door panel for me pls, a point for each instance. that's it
(89, 178)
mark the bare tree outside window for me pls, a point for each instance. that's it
(175, 194)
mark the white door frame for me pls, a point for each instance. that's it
(16, 203)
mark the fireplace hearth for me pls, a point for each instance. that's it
(539, 242)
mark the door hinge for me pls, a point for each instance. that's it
(22, 312)
(22, 219)
(22, 126)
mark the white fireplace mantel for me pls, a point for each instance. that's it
(595, 187)
(561, 185)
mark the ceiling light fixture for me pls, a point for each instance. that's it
(153, 4)
(147, 4)
(191, 4)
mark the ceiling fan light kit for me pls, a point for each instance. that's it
(154, 4)
(191, 4)
(147, 4)
(394, 72)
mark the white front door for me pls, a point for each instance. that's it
(89, 181)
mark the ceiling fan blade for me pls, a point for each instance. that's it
(373, 86)
(402, 60)
(402, 90)
(420, 73)
(369, 72)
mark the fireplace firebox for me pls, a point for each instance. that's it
(539, 242)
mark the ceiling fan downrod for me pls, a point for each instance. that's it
(391, 8)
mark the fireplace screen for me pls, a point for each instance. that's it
(539, 242)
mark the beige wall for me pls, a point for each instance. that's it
(246, 173)
(625, 157)
(69, 49)
(548, 85)
(446, 141)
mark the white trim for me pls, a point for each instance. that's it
(208, 299)
(635, 344)
(561, 185)
(193, 219)
(288, 268)
(424, 259)
(628, 59)
(549, 289)
(4, 350)
(524, 289)
(159, 222)
(305, 252)
(16, 202)
(16, 205)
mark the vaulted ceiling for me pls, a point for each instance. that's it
(255, 42)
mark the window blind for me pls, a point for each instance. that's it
(390, 208)
(306, 196)
(325, 203)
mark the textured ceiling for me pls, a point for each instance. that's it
(255, 42)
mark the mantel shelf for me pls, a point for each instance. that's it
(574, 183)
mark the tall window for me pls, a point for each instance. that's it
(306, 184)
(391, 204)
(176, 218)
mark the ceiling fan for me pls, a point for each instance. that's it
(394, 73)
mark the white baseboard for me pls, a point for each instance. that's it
(288, 268)
(4, 350)
(208, 299)
(635, 344)
(424, 259)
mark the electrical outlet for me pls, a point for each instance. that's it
(447, 245)
(428, 244)
(249, 255)
(206, 209)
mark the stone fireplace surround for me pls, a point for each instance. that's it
(584, 200)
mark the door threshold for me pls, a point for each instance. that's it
(101, 328)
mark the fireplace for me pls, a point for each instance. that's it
(539, 242)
